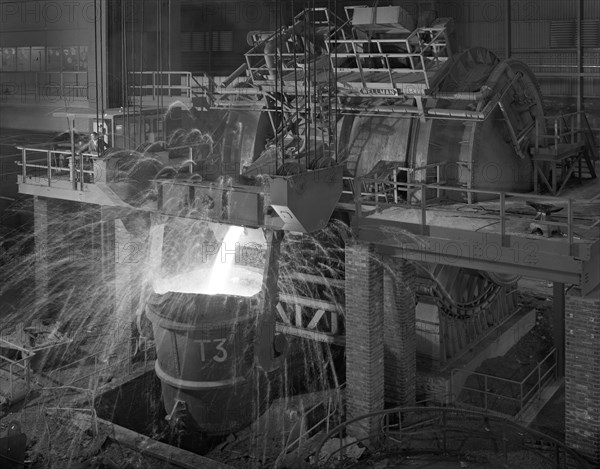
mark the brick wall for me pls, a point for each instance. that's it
(582, 374)
(399, 332)
(364, 336)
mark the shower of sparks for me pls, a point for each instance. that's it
(224, 277)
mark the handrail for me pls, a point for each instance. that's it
(41, 88)
(522, 398)
(157, 88)
(410, 174)
(568, 114)
(502, 196)
(76, 170)
(579, 125)
(442, 424)
(98, 369)
(59, 152)
(332, 410)
(14, 346)
(261, 64)
(24, 365)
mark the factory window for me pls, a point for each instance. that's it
(54, 59)
(70, 59)
(41, 59)
(9, 59)
(45, 71)
(207, 41)
(24, 59)
(199, 41)
(38, 59)
(563, 34)
(222, 41)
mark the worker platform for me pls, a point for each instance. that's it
(363, 64)
(542, 236)
(496, 232)
(305, 76)
(343, 51)
(492, 235)
(570, 143)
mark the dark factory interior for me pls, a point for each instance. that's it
(299, 233)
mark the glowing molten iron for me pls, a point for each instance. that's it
(224, 277)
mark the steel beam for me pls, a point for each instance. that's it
(537, 258)
(309, 302)
(311, 334)
(507, 30)
(580, 56)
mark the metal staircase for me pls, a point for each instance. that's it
(562, 144)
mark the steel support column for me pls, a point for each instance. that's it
(267, 323)
(580, 56)
(558, 325)
(507, 29)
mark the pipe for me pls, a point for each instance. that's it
(236, 73)
(255, 38)
(463, 114)
(381, 109)
(457, 113)
(462, 95)
(579, 57)
(269, 57)
(508, 30)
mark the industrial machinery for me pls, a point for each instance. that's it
(322, 106)
(326, 115)
(209, 310)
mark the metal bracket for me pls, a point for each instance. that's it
(178, 412)
(269, 349)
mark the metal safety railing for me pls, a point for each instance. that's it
(44, 166)
(372, 199)
(422, 51)
(41, 86)
(93, 365)
(25, 345)
(375, 56)
(157, 84)
(496, 391)
(386, 188)
(419, 52)
(274, 53)
(18, 370)
(444, 431)
(334, 409)
(47, 165)
(573, 128)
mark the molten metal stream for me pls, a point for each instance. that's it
(224, 277)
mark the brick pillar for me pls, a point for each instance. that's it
(582, 375)
(399, 332)
(364, 337)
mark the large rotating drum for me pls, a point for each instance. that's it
(480, 124)
(474, 150)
